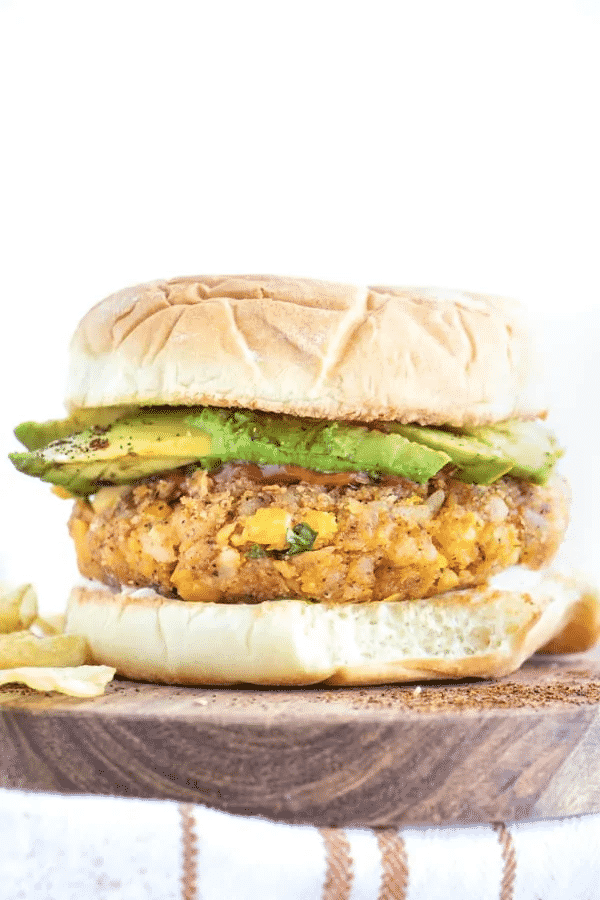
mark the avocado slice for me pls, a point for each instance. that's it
(476, 462)
(483, 454)
(325, 446)
(155, 441)
(120, 453)
(35, 435)
(532, 448)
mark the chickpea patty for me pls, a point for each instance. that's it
(228, 536)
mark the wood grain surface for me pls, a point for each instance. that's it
(524, 747)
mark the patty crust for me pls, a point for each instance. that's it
(225, 536)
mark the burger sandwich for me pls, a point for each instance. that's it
(285, 481)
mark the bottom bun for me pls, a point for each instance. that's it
(485, 633)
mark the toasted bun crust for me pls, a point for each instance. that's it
(472, 633)
(582, 630)
(310, 348)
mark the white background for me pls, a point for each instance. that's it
(440, 143)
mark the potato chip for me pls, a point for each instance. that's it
(18, 607)
(23, 648)
(48, 625)
(78, 681)
(35, 652)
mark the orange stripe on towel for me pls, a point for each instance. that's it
(394, 866)
(509, 858)
(339, 872)
(189, 853)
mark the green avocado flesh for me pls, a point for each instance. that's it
(155, 440)
(35, 435)
(483, 454)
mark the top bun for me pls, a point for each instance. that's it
(309, 348)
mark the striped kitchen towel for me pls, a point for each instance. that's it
(56, 847)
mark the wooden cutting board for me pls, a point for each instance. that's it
(524, 747)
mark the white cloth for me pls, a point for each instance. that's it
(56, 847)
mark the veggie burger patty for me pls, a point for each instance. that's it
(231, 536)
